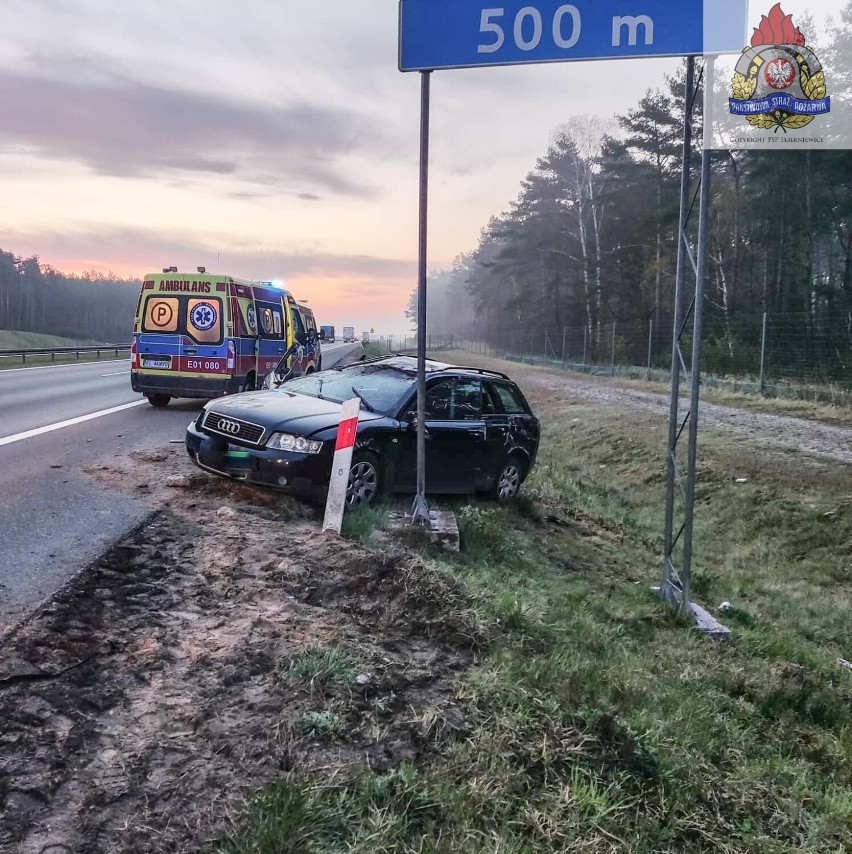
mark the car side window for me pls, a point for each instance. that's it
(490, 401)
(454, 400)
(467, 400)
(439, 401)
(298, 324)
(509, 399)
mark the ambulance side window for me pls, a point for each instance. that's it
(269, 322)
(298, 325)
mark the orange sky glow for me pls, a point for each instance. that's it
(275, 141)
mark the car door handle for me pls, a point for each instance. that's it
(191, 351)
(474, 432)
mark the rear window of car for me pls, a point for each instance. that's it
(510, 398)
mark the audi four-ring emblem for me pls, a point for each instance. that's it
(230, 427)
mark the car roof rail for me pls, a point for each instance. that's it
(481, 371)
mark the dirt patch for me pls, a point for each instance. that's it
(140, 706)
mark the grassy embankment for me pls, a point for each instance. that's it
(825, 402)
(10, 340)
(596, 721)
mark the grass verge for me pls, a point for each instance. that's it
(362, 523)
(825, 402)
(45, 361)
(30, 340)
(597, 721)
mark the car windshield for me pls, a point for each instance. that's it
(381, 387)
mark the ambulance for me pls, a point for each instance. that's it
(203, 336)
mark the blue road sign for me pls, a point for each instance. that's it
(437, 34)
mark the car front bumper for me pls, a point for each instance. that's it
(305, 475)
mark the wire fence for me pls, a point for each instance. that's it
(776, 355)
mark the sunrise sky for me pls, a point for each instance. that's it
(279, 135)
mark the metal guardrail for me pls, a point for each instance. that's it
(53, 352)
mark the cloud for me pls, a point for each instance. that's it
(128, 128)
(141, 251)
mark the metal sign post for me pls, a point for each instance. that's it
(436, 34)
(677, 580)
(420, 509)
(672, 587)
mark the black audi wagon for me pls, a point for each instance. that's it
(481, 435)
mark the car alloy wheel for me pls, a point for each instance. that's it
(363, 484)
(509, 483)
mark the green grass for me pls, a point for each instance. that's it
(10, 340)
(598, 721)
(325, 725)
(31, 340)
(361, 523)
(320, 668)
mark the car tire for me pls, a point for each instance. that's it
(365, 480)
(508, 483)
(159, 401)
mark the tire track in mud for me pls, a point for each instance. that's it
(145, 701)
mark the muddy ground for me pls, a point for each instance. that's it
(143, 703)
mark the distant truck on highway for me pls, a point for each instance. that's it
(327, 333)
(365, 337)
(348, 334)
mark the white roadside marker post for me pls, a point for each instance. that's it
(336, 502)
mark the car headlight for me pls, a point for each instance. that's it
(297, 444)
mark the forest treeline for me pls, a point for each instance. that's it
(588, 249)
(34, 297)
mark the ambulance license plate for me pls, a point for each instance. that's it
(157, 363)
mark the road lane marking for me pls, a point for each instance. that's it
(59, 425)
(116, 373)
(50, 367)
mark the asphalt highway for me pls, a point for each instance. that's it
(56, 421)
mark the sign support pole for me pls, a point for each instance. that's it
(420, 509)
(670, 581)
(677, 581)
